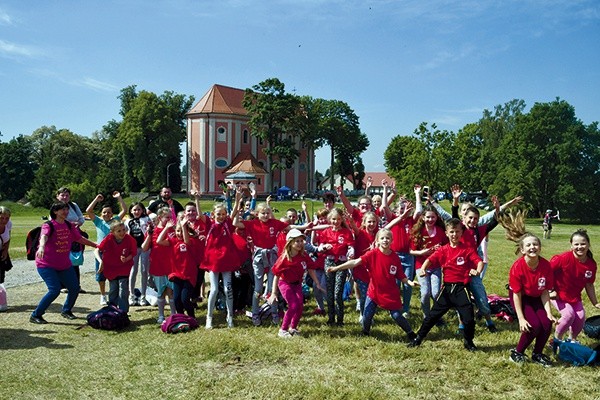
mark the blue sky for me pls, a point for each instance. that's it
(396, 63)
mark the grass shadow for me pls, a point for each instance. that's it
(18, 339)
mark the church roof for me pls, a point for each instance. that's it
(245, 162)
(221, 100)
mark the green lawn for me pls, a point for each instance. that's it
(59, 360)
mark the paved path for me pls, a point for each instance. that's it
(24, 271)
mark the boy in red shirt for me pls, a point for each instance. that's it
(115, 255)
(459, 262)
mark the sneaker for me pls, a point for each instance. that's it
(284, 334)
(68, 315)
(469, 345)
(256, 320)
(230, 322)
(64, 290)
(132, 300)
(411, 336)
(37, 320)
(541, 359)
(331, 321)
(144, 302)
(492, 328)
(160, 319)
(103, 300)
(208, 323)
(416, 342)
(516, 357)
(294, 332)
(405, 315)
(461, 330)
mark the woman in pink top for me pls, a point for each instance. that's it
(54, 264)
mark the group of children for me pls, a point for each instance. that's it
(385, 249)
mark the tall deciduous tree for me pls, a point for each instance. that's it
(273, 118)
(149, 137)
(17, 166)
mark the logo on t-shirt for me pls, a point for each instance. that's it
(271, 231)
(304, 266)
(393, 269)
(340, 239)
(182, 248)
(588, 274)
(542, 283)
(460, 261)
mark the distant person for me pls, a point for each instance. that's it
(547, 222)
(137, 225)
(165, 200)
(53, 263)
(5, 228)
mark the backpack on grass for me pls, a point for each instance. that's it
(32, 242)
(176, 323)
(574, 353)
(108, 318)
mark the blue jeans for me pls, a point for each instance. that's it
(478, 291)
(430, 288)
(408, 265)
(371, 309)
(53, 280)
(362, 298)
(182, 293)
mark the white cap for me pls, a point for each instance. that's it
(293, 234)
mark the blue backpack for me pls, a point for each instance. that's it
(574, 353)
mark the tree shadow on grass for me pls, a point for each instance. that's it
(17, 339)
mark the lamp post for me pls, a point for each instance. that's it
(169, 166)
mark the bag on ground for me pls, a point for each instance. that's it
(574, 353)
(108, 318)
(176, 323)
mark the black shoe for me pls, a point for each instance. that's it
(412, 336)
(331, 322)
(469, 345)
(516, 357)
(541, 359)
(68, 315)
(340, 323)
(416, 342)
(492, 328)
(37, 320)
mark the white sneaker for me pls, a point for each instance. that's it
(230, 322)
(294, 332)
(103, 300)
(160, 319)
(132, 300)
(144, 302)
(208, 323)
(284, 334)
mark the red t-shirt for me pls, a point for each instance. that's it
(571, 276)
(384, 270)
(111, 255)
(292, 271)
(199, 242)
(401, 235)
(160, 256)
(264, 234)
(357, 216)
(523, 279)
(438, 237)
(363, 243)
(340, 239)
(456, 262)
(221, 254)
(184, 261)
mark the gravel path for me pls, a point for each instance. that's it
(24, 271)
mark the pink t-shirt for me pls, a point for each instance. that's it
(58, 245)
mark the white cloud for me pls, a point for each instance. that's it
(17, 50)
(96, 85)
(5, 19)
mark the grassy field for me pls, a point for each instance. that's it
(63, 360)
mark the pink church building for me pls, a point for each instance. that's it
(219, 142)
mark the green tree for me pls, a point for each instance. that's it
(273, 118)
(17, 166)
(149, 136)
(405, 159)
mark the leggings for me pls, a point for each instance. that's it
(292, 294)
(572, 315)
(535, 314)
(214, 291)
